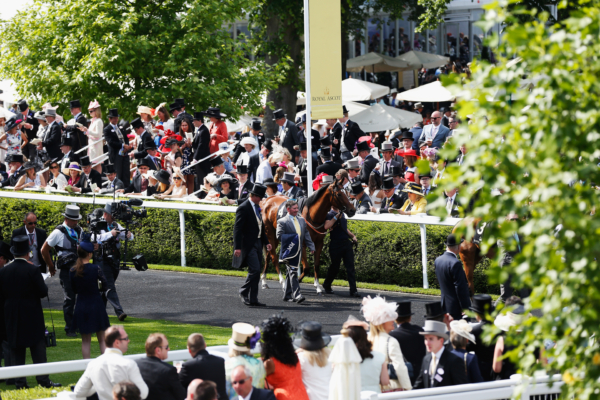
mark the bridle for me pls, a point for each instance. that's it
(337, 192)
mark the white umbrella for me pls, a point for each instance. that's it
(419, 59)
(357, 90)
(352, 107)
(9, 95)
(375, 62)
(345, 378)
(379, 118)
(4, 113)
(240, 124)
(432, 92)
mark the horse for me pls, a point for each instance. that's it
(315, 213)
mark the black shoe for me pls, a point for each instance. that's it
(122, 317)
(22, 387)
(356, 295)
(245, 300)
(257, 304)
(71, 334)
(300, 299)
(50, 385)
(289, 300)
(328, 290)
(10, 381)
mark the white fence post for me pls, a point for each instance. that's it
(424, 255)
(182, 234)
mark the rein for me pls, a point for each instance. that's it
(310, 223)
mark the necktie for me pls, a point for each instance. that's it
(387, 167)
(297, 225)
(144, 184)
(257, 211)
(31, 240)
(449, 205)
(119, 134)
(432, 366)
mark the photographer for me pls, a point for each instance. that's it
(109, 241)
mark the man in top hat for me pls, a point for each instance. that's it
(369, 162)
(151, 154)
(118, 146)
(439, 366)
(362, 202)
(218, 168)
(408, 335)
(425, 180)
(353, 168)
(65, 238)
(289, 187)
(91, 174)
(326, 141)
(113, 182)
(201, 148)
(397, 175)
(482, 307)
(391, 201)
(37, 237)
(21, 288)
(329, 167)
(30, 127)
(249, 237)
(78, 137)
(351, 132)
(15, 164)
(315, 136)
(452, 279)
(139, 184)
(386, 164)
(146, 140)
(419, 108)
(52, 135)
(69, 156)
(288, 133)
(406, 141)
(333, 132)
(244, 184)
(302, 175)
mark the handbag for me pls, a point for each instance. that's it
(390, 367)
(50, 336)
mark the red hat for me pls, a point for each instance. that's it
(366, 139)
(409, 152)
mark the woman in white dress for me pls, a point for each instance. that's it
(178, 190)
(146, 115)
(95, 133)
(374, 190)
(164, 118)
(313, 355)
(30, 179)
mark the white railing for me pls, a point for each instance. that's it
(422, 220)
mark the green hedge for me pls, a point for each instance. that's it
(387, 253)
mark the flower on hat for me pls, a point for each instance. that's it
(462, 328)
(252, 340)
(378, 311)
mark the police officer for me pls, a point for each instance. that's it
(110, 240)
(340, 248)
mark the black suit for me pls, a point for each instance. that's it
(201, 148)
(262, 394)
(136, 184)
(207, 367)
(155, 163)
(51, 140)
(114, 147)
(336, 133)
(453, 284)
(368, 166)
(295, 193)
(329, 167)
(96, 177)
(243, 194)
(395, 202)
(351, 133)
(146, 141)
(14, 178)
(291, 137)
(484, 352)
(303, 171)
(412, 344)
(79, 138)
(385, 171)
(40, 236)
(453, 369)
(29, 150)
(363, 205)
(161, 378)
(112, 186)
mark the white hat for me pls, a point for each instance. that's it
(145, 110)
(248, 140)
(377, 311)
(394, 90)
(514, 318)
(240, 336)
(462, 328)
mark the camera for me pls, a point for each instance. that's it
(96, 222)
(123, 211)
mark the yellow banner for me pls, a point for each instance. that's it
(325, 59)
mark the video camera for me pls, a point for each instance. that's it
(123, 210)
(96, 222)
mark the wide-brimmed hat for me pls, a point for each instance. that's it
(74, 104)
(248, 140)
(5, 251)
(214, 112)
(311, 337)
(482, 304)
(40, 115)
(352, 164)
(435, 328)
(256, 125)
(412, 187)
(462, 328)
(170, 141)
(15, 158)
(72, 166)
(258, 190)
(363, 146)
(215, 162)
(113, 113)
(327, 179)
(241, 335)
(288, 178)
(388, 183)
(357, 188)
(278, 114)
(163, 177)
(137, 123)
(12, 123)
(451, 240)
(403, 309)
(378, 311)
(72, 212)
(20, 245)
(433, 310)
(225, 148)
(144, 110)
(510, 319)
(29, 165)
(93, 105)
(406, 153)
(226, 178)
(387, 146)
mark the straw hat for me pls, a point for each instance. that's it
(243, 337)
(72, 166)
(462, 328)
(144, 110)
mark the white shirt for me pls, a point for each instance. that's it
(58, 238)
(283, 132)
(316, 379)
(104, 235)
(263, 172)
(105, 372)
(247, 397)
(450, 203)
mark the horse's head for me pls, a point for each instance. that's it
(339, 198)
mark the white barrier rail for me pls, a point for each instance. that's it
(422, 220)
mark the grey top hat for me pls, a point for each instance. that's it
(352, 164)
(72, 212)
(435, 328)
(387, 146)
(327, 179)
(288, 177)
(50, 112)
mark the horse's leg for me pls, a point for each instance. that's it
(266, 253)
(318, 249)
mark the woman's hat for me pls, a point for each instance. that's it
(227, 178)
(288, 177)
(278, 114)
(403, 309)
(144, 110)
(40, 115)
(248, 140)
(259, 190)
(243, 337)
(225, 148)
(29, 165)
(71, 212)
(451, 240)
(242, 169)
(462, 328)
(409, 152)
(163, 177)
(72, 166)
(378, 311)
(214, 112)
(512, 318)
(357, 188)
(5, 251)
(482, 304)
(170, 141)
(435, 328)
(412, 187)
(20, 245)
(433, 310)
(310, 337)
(113, 113)
(177, 173)
(388, 183)
(93, 105)
(11, 123)
(87, 246)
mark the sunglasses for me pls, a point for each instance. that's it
(436, 117)
(32, 223)
(164, 347)
(55, 167)
(240, 382)
(176, 178)
(125, 339)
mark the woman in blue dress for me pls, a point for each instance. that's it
(460, 335)
(90, 312)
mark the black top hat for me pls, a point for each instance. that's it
(451, 240)
(181, 102)
(242, 169)
(15, 158)
(406, 135)
(113, 113)
(357, 188)
(85, 161)
(65, 141)
(303, 146)
(403, 309)
(145, 162)
(270, 182)
(326, 141)
(20, 245)
(363, 146)
(174, 106)
(443, 110)
(74, 104)
(325, 152)
(278, 114)
(23, 105)
(388, 183)
(259, 190)
(5, 251)
(256, 125)
(311, 338)
(214, 112)
(344, 109)
(433, 310)
(163, 177)
(137, 123)
(215, 162)
(268, 144)
(10, 124)
(199, 116)
(109, 169)
(150, 146)
(482, 304)
(425, 175)
(395, 171)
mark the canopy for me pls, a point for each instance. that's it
(357, 90)
(419, 59)
(379, 118)
(375, 62)
(432, 92)
(9, 95)
(352, 107)
(240, 124)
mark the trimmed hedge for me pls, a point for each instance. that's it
(387, 253)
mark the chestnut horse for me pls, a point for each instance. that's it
(315, 213)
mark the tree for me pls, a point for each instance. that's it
(535, 152)
(131, 52)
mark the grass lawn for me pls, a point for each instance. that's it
(137, 329)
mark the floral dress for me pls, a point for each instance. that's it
(187, 157)
(14, 143)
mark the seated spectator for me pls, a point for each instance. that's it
(243, 339)
(227, 192)
(191, 389)
(158, 182)
(241, 379)
(111, 368)
(174, 158)
(282, 366)
(314, 360)
(460, 335)
(113, 183)
(362, 202)
(206, 190)
(272, 187)
(178, 189)
(161, 378)
(203, 365)
(73, 173)
(416, 202)
(29, 178)
(126, 390)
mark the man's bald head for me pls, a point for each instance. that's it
(436, 118)
(191, 391)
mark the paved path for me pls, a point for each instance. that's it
(213, 300)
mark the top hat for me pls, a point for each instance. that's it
(363, 146)
(214, 112)
(109, 169)
(259, 190)
(180, 101)
(199, 116)
(412, 187)
(50, 112)
(15, 158)
(326, 141)
(5, 251)
(174, 106)
(325, 152)
(20, 245)
(387, 146)
(435, 328)
(215, 162)
(85, 161)
(344, 109)
(406, 135)
(388, 183)
(327, 179)
(403, 309)
(255, 125)
(268, 144)
(163, 177)
(395, 171)
(303, 146)
(357, 188)
(150, 146)
(240, 337)
(443, 110)
(433, 310)
(145, 162)
(425, 175)
(23, 105)
(74, 104)
(11, 123)
(482, 304)
(311, 338)
(288, 177)
(278, 114)
(71, 212)
(113, 113)
(451, 240)
(242, 169)
(65, 141)
(270, 182)
(137, 123)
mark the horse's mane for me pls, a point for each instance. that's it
(316, 195)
